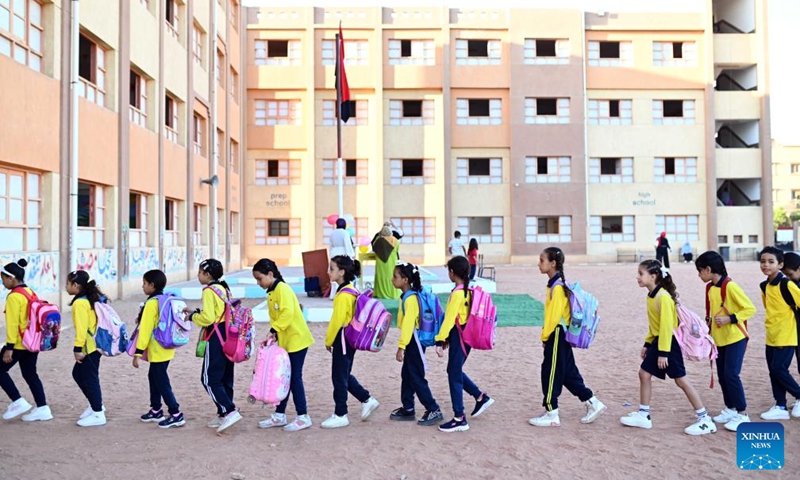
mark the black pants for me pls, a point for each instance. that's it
(27, 365)
(472, 270)
(296, 388)
(217, 376)
(559, 370)
(87, 376)
(458, 381)
(729, 366)
(797, 349)
(662, 255)
(779, 359)
(412, 379)
(343, 380)
(160, 387)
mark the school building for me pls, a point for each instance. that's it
(522, 128)
(786, 177)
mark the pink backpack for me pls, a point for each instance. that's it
(367, 331)
(44, 324)
(695, 342)
(240, 329)
(479, 331)
(271, 376)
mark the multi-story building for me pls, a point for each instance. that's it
(786, 177)
(159, 85)
(521, 128)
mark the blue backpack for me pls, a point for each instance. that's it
(431, 315)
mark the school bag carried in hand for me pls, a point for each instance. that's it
(240, 329)
(723, 290)
(271, 375)
(583, 316)
(370, 324)
(111, 337)
(431, 315)
(173, 328)
(479, 331)
(44, 324)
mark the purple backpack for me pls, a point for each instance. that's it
(367, 331)
(172, 330)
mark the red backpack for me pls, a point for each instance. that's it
(44, 323)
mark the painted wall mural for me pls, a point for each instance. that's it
(41, 274)
(100, 263)
(140, 260)
(200, 254)
(174, 259)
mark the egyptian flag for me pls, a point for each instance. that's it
(346, 106)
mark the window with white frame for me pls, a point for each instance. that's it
(543, 111)
(199, 135)
(356, 171)
(610, 112)
(411, 112)
(137, 111)
(356, 52)
(21, 32)
(610, 54)
(233, 227)
(675, 170)
(479, 171)
(278, 112)
(359, 117)
(547, 169)
(271, 231)
(540, 51)
(233, 88)
(679, 227)
(91, 215)
(278, 52)
(277, 172)
(92, 71)
(412, 172)
(233, 154)
(219, 66)
(611, 170)
(614, 228)
(220, 226)
(20, 210)
(171, 119)
(674, 54)
(479, 111)
(233, 9)
(137, 218)
(478, 52)
(218, 142)
(361, 226)
(172, 223)
(416, 230)
(172, 20)
(197, 228)
(548, 229)
(198, 38)
(673, 112)
(484, 229)
(412, 52)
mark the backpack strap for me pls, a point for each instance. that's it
(787, 295)
(30, 297)
(403, 299)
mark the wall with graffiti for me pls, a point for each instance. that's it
(199, 254)
(174, 259)
(101, 264)
(140, 260)
(41, 274)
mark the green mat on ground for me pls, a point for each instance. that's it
(512, 310)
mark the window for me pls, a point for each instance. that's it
(21, 32)
(219, 155)
(674, 54)
(478, 52)
(752, 239)
(219, 65)
(173, 25)
(91, 216)
(361, 226)
(92, 71)
(233, 153)
(277, 172)
(612, 229)
(412, 172)
(547, 169)
(171, 120)
(356, 52)
(484, 229)
(795, 194)
(675, 170)
(197, 230)
(233, 9)
(278, 112)
(356, 171)
(411, 52)
(138, 99)
(198, 37)
(199, 132)
(673, 112)
(546, 52)
(610, 112)
(220, 227)
(417, 230)
(722, 239)
(20, 207)
(278, 52)
(277, 231)
(795, 168)
(611, 170)
(233, 228)
(137, 220)
(172, 223)
(679, 227)
(610, 54)
(479, 171)
(737, 239)
(476, 111)
(548, 229)
(546, 110)
(233, 86)
(359, 117)
(411, 112)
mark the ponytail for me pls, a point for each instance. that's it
(663, 277)
(88, 288)
(411, 272)
(352, 268)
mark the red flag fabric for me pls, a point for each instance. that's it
(346, 106)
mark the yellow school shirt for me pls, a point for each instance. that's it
(662, 316)
(84, 319)
(344, 307)
(286, 318)
(556, 308)
(457, 307)
(16, 318)
(149, 321)
(409, 320)
(780, 321)
(213, 306)
(737, 304)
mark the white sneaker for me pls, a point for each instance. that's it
(368, 407)
(40, 414)
(725, 416)
(89, 411)
(702, 427)
(336, 422)
(594, 408)
(637, 419)
(776, 413)
(548, 419)
(17, 408)
(796, 409)
(229, 420)
(733, 424)
(96, 419)
(300, 423)
(275, 420)
(214, 423)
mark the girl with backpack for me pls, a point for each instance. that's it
(661, 353)
(86, 371)
(449, 337)
(727, 312)
(217, 373)
(153, 284)
(344, 270)
(558, 365)
(290, 330)
(13, 275)
(410, 351)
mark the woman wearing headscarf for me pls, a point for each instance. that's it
(387, 248)
(662, 249)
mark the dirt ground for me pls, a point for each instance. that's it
(499, 445)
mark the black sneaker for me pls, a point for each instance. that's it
(402, 415)
(431, 418)
(481, 405)
(454, 426)
(172, 421)
(152, 416)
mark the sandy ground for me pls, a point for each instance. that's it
(500, 444)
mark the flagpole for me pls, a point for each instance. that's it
(339, 162)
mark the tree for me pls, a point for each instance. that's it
(795, 216)
(780, 218)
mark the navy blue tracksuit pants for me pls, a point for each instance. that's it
(27, 365)
(412, 379)
(779, 359)
(458, 380)
(160, 387)
(87, 375)
(559, 370)
(729, 367)
(217, 376)
(343, 380)
(296, 388)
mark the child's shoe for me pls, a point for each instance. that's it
(41, 414)
(275, 420)
(336, 421)
(172, 421)
(214, 422)
(637, 419)
(368, 407)
(300, 423)
(776, 413)
(431, 418)
(725, 416)
(594, 408)
(402, 415)
(548, 419)
(734, 423)
(702, 427)
(89, 411)
(229, 420)
(455, 426)
(152, 416)
(96, 419)
(481, 405)
(17, 408)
